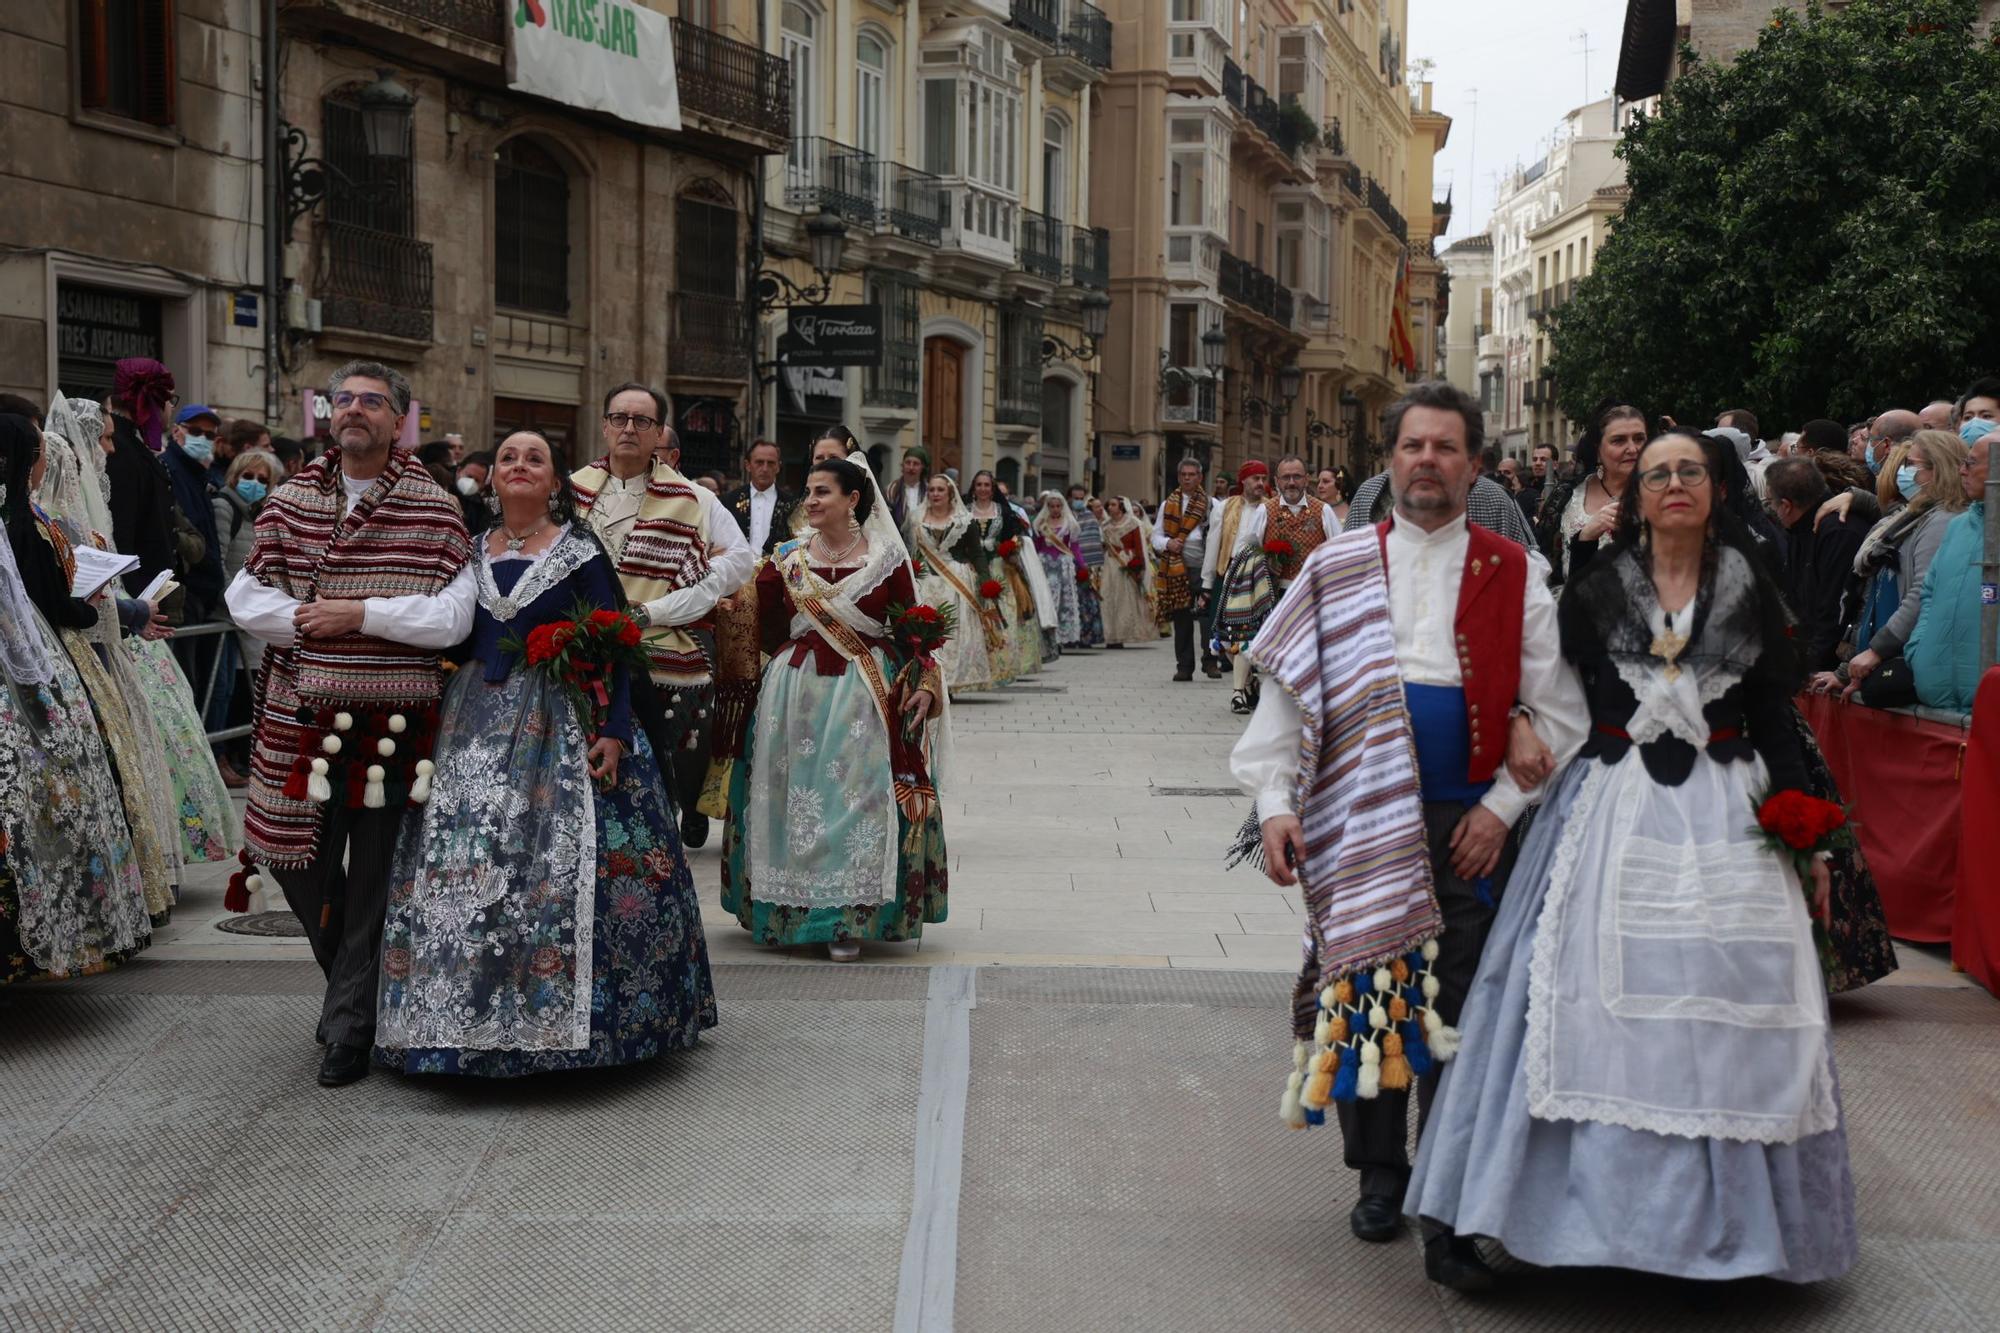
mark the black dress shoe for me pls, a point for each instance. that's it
(1376, 1218)
(1453, 1261)
(342, 1065)
(1183, 675)
(1213, 670)
(694, 828)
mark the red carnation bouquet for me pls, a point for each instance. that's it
(1008, 547)
(990, 590)
(1278, 547)
(1801, 826)
(918, 632)
(581, 654)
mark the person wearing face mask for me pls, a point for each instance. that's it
(470, 486)
(187, 459)
(236, 503)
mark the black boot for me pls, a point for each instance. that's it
(1376, 1218)
(342, 1065)
(1452, 1260)
(694, 828)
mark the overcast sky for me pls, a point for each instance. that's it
(1528, 67)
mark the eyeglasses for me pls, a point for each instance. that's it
(1693, 476)
(372, 402)
(624, 420)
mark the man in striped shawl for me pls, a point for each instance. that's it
(357, 578)
(1403, 650)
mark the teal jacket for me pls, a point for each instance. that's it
(1943, 650)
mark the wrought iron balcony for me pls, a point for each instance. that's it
(1090, 257)
(1037, 18)
(1261, 108)
(1232, 83)
(732, 81)
(481, 20)
(1331, 141)
(914, 204)
(1088, 36)
(375, 281)
(835, 177)
(1041, 248)
(1381, 207)
(708, 336)
(1283, 304)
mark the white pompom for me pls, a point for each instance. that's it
(397, 723)
(1384, 979)
(1371, 1054)
(1301, 1052)
(425, 768)
(343, 721)
(1322, 1029)
(1430, 951)
(319, 767)
(330, 743)
(1377, 1019)
(670, 712)
(318, 790)
(1326, 1000)
(372, 796)
(253, 883)
(385, 747)
(1369, 1086)
(1431, 988)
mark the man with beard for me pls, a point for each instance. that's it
(1179, 539)
(1280, 533)
(1404, 650)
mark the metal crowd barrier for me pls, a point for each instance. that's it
(204, 689)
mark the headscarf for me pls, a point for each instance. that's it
(955, 525)
(1253, 468)
(143, 385)
(78, 423)
(1116, 528)
(1063, 527)
(23, 654)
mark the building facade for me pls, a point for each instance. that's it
(951, 141)
(1579, 162)
(513, 254)
(1563, 251)
(1253, 158)
(1469, 362)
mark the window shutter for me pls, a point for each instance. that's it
(155, 93)
(93, 58)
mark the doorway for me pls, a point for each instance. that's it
(944, 404)
(555, 422)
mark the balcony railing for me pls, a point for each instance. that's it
(821, 173)
(1037, 18)
(708, 336)
(481, 20)
(914, 203)
(1241, 281)
(376, 281)
(1381, 207)
(1352, 178)
(1041, 248)
(1331, 141)
(1232, 83)
(1088, 36)
(1090, 257)
(1282, 305)
(1261, 108)
(731, 80)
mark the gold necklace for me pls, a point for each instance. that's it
(515, 541)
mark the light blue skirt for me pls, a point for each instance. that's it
(1585, 1194)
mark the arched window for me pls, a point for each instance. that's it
(531, 207)
(872, 85)
(1055, 166)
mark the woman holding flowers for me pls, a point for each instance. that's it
(541, 915)
(1059, 544)
(1128, 576)
(999, 559)
(835, 836)
(941, 541)
(1646, 1078)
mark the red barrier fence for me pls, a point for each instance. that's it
(1975, 930)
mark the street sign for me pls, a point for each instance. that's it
(832, 335)
(1124, 453)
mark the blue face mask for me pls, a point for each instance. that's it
(1868, 457)
(1906, 480)
(200, 448)
(251, 489)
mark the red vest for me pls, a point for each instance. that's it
(1487, 634)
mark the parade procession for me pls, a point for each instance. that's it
(989, 664)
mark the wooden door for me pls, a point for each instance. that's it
(556, 422)
(944, 404)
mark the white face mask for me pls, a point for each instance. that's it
(467, 487)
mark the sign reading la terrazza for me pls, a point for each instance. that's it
(602, 55)
(833, 335)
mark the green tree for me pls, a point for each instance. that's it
(1813, 230)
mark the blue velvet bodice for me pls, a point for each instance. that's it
(594, 583)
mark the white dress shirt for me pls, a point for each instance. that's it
(1425, 570)
(731, 559)
(1218, 516)
(419, 620)
(763, 507)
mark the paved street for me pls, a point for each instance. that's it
(1059, 1113)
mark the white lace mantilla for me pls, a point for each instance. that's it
(1673, 985)
(563, 558)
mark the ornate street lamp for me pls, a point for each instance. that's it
(826, 240)
(1214, 350)
(1096, 318)
(387, 108)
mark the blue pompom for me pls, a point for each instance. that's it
(1314, 1117)
(1414, 1049)
(1345, 1077)
(1364, 982)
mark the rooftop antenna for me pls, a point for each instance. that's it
(1472, 148)
(1582, 38)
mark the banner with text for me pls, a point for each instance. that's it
(602, 55)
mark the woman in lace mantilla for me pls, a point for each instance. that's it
(940, 538)
(541, 914)
(835, 835)
(994, 524)
(1647, 1075)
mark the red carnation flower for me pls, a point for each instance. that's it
(1011, 545)
(628, 633)
(1800, 821)
(606, 619)
(1277, 546)
(990, 590)
(543, 643)
(924, 612)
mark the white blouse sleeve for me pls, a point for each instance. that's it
(1265, 762)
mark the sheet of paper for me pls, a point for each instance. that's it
(95, 568)
(162, 584)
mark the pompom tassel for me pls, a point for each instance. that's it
(1415, 1050)
(318, 790)
(1345, 1081)
(1293, 1114)
(1368, 1085)
(372, 796)
(420, 790)
(295, 781)
(1315, 1117)
(1395, 1066)
(1442, 1037)
(236, 898)
(253, 889)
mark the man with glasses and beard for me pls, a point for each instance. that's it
(359, 575)
(678, 552)
(1283, 530)
(1424, 651)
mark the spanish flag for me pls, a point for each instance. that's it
(1401, 351)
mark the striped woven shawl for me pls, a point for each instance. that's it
(1367, 872)
(666, 551)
